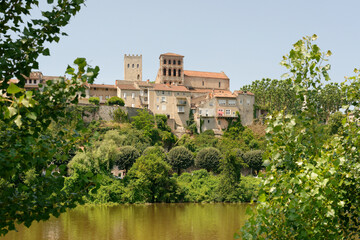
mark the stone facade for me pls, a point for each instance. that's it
(102, 91)
(171, 69)
(133, 67)
(206, 80)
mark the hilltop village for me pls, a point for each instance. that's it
(177, 93)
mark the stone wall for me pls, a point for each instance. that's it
(106, 113)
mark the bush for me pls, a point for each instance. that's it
(199, 186)
(120, 116)
(180, 158)
(126, 157)
(149, 181)
(208, 158)
(94, 100)
(254, 159)
(115, 101)
(157, 150)
(249, 188)
(161, 122)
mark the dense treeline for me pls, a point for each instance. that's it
(276, 95)
(162, 168)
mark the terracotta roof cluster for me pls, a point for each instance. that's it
(102, 86)
(244, 92)
(171, 54)
(173, 88)
(223, 93)
(220, 75)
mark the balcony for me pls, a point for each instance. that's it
(181, 102)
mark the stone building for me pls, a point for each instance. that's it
(171, 70)
(132, 67)
(102, 91)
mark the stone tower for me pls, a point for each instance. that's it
(133, 67)
(171, 69)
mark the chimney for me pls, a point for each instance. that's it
(147, 80)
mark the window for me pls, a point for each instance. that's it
(163, 99)
(174, 72)
(163, 92)
(179, 62)
(94, 88)
(219, 84)
(124, 95)
(203, 83)
(227, 111)
(138, 76)
(211, 104)
(137, 66)
(179, 73)
(133, 95)
(132, 105)
(174, 62)
(157, 107)
(133, 66)
(164, 71)
(157, 99)
(145, 99)
(169, 62)
(163, 107)
(234, 113)
(181, 109)
(100, 98)
(200, 112)
(208, 121)
(232, 102)
(34, 81)
(169, 72)
(219, 122)
(128, 65)
(241, 101)
(106, 89)
(30, 81)
(222, 102)
(164, 61)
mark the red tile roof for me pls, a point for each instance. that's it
(244, 92)
(102, 86)
(201, 90)
(173, 88)
(127, 87)
(220, 75)
(171, 55)
(223, 93)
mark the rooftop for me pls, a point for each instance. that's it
(223, 93)
(102, 86)
(171, 54)
(173, 88)
(220, 75)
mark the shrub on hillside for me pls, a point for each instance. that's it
(208, 158)
(180, 158)
(126, 157)
(115, 101)
(94, 100)
(254, 159)
(120, 116)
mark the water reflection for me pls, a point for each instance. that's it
(133, 222)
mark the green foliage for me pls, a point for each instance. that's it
(191, 124)
(161, 122)
(149, 181)
(180, 158)
(198, 186)
(249, 188)
(335, 123)
(94, 100)
(120, 116)
(228, 188)
(311, 187)
(126, 157)
(187, 142)
(208, 158)
(156, 150)
(254, 159)
(115, 101)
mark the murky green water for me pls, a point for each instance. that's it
(137, 222)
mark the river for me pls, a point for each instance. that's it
(188, 221)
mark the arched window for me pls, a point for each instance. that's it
(138, 66)
(169, 62)
(174, 72)
(133, 66)
(203, 83)
(219, 84)
(174, 62)
(164, 61)
(138, 77)
(128, 65)
(179, 62)
(179, 73)
(164, 71)
(169, 72)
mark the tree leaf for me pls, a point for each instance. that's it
(12, 89)
(18, 121)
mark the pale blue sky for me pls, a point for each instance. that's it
(245, 39)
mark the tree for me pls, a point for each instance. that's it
(335, 123)
(115, 101)
(120, 116)
(208, 158)
(126, 157)
(94, 100)
(180, 158)
(254, 159)
(149, 180)
(311, 187)
(29, 181)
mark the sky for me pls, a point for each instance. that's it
(245, 39)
